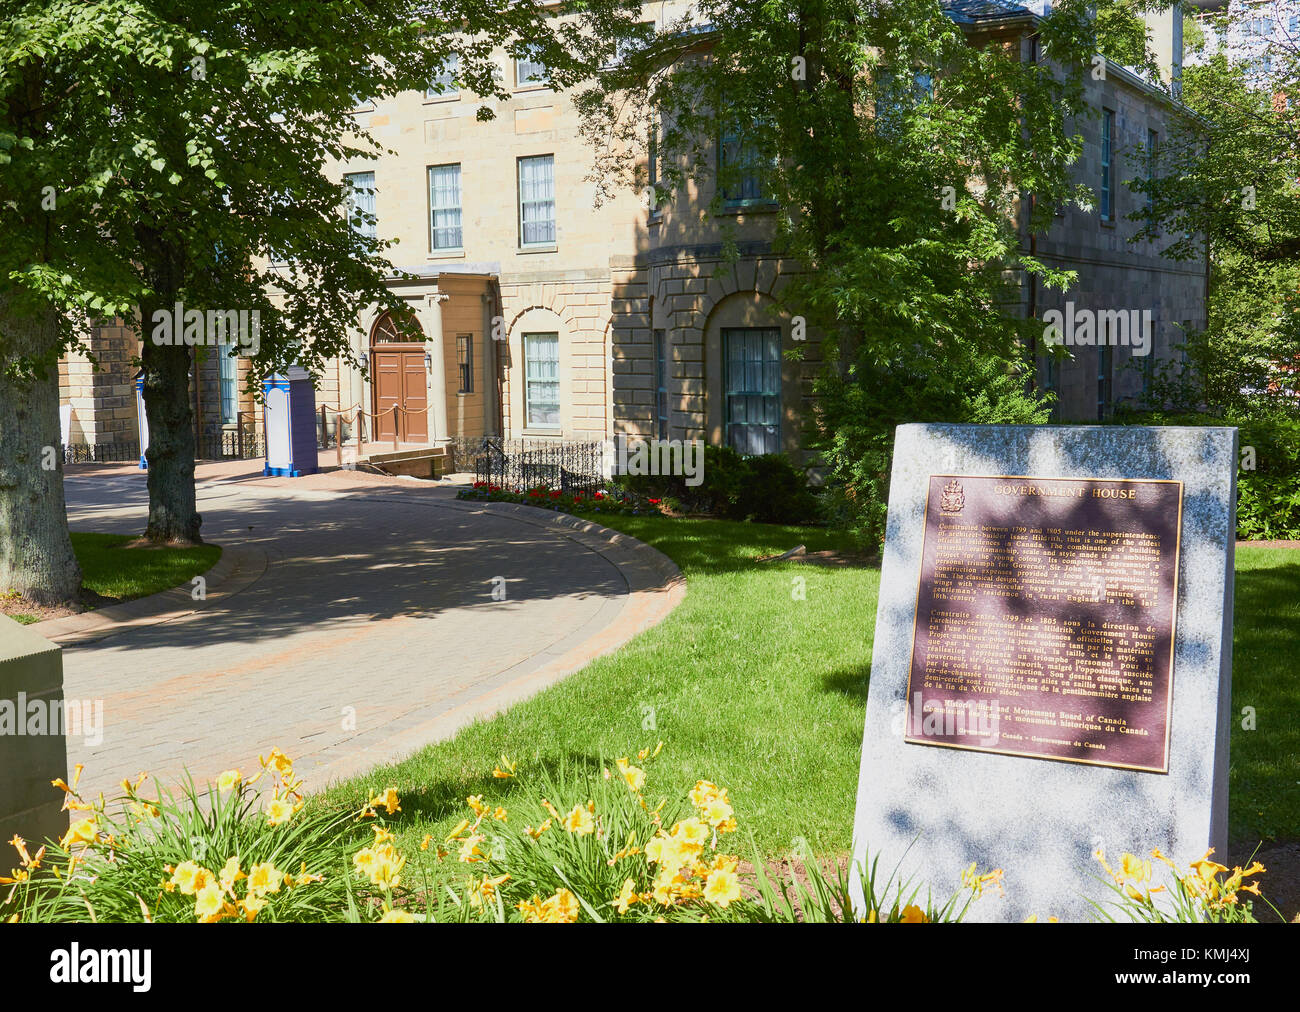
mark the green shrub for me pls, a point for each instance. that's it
(767, 488)
(773, 491)
(1268, 478)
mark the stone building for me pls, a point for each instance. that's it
(1263, 35)
(546, 318)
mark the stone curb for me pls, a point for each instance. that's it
(238, 568)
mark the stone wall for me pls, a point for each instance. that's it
(99, 386)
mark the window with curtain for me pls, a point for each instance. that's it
(465, 362)
(537, 200)
(228, 373)
(444, 207)
(444, 85)
(542, 380)
(752, 377)
(529, 68)
(361, 201)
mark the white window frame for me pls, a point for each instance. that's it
(536, 380)
(533, 65)
(530, 198)
(357, 185)
(447, 211)
(450, 68)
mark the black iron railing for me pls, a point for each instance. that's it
(516, 464)
(100, 453)
(240, 442)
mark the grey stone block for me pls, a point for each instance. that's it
(931, 811)
(31, 684)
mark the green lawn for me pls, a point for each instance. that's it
(748, 687)
(1264, 774)
(765, 694)
(112, 571)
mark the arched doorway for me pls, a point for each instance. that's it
(398, 378)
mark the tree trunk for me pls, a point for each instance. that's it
(173, 516)
(36, 557)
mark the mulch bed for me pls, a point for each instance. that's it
(89, 601)
(1280, 882)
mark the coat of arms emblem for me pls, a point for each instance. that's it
(954, 499)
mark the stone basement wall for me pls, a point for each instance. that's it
(103, 399)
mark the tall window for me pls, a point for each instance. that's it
(1105, 372)
(740, 171)
(752, 366)
(653, 164)
(361, 203)
(229, 382)
(1153, 149)
(529, 68)
(542, 380)
(1052, 382)
(1107, 165)
(661, 384)
(444, 85)
(465, 362)
(444, 207)
(537, 200)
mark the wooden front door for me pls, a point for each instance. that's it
(399, 379)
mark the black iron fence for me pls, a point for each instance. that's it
(216, 442)
(100, 453)
(523, 464)
(238, 442)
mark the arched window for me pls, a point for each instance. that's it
(388, 331)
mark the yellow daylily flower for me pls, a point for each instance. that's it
(722, 887)
(82, 831)
(626, 897)
(580, 821)
(230, 874)
(265, 878)
(633, 776)
(208, 901)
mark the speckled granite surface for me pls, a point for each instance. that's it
(931, 811)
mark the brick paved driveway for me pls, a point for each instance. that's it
(365, 627)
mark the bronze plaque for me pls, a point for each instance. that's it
(1045, 618)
